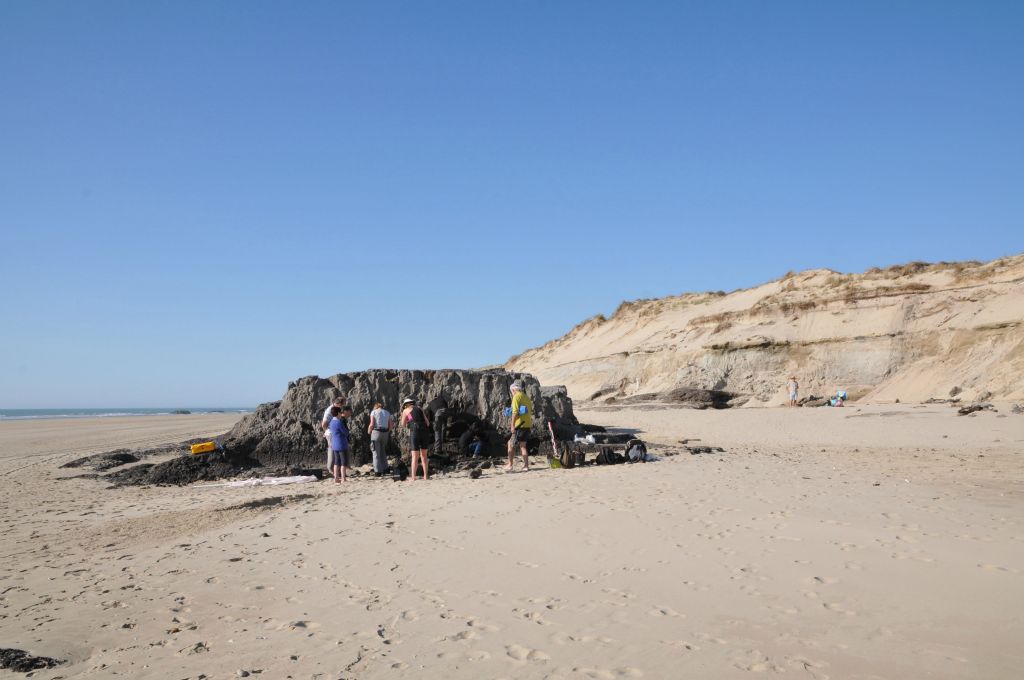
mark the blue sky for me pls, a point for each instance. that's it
(202, 200)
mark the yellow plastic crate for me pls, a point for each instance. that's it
(204, 447)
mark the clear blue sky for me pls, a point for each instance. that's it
(202, 200)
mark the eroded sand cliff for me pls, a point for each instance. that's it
(909, 332)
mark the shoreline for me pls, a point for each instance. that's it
(115, 413)
(70, 437)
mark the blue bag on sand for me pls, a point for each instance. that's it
(508, 411)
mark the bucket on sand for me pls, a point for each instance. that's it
(203, 447)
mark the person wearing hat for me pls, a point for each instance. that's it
(794, 389)
(418, 423)
(522, 421)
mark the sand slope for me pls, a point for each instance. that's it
(910, 333)
(884, 542)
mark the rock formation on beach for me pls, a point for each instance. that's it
(909, 332)
(287, 433)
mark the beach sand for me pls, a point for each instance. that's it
(867, 542)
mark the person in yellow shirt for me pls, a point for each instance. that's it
(522, 421)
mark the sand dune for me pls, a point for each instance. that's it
(910, 333)
(883, 542)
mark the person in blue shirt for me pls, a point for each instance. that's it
(339, 443)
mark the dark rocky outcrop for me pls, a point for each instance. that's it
(103, 461)
(185, 469)
(287, 433)
(973, 408)
(690, 396)
(21, 661)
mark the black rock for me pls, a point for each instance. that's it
(287, 432)
(21, 661)
(103, 461)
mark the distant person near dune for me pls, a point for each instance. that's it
(793, 387)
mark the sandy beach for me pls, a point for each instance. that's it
(880, 541)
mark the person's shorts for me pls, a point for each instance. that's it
(419, 438)
(792, 396)
(339, 458)
(520, 435)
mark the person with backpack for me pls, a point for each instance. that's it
(522, 421)
(419, 424)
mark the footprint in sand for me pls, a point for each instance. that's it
(705, 637)
(478, 625)
(462, 636)
(838, 608)
(813, 668)
(616, 592)
(531, 616)
(562, 638)
(756, 661)
(596, 673)
(664, 611)
(996, 567)
(682, 644)
(918, 557)
(551, 603)
(520, 653)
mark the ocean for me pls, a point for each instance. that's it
(34, 413)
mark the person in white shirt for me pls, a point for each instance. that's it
(380, 426)
(794, 390)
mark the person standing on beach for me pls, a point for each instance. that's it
(522, 421)
(380, 426)
(338, 430)
(418, 423)
(793, 387)
(437, 411)
(325, 423)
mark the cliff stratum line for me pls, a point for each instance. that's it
(910, 332)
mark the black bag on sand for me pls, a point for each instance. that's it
(567, 457)
(606, 456)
